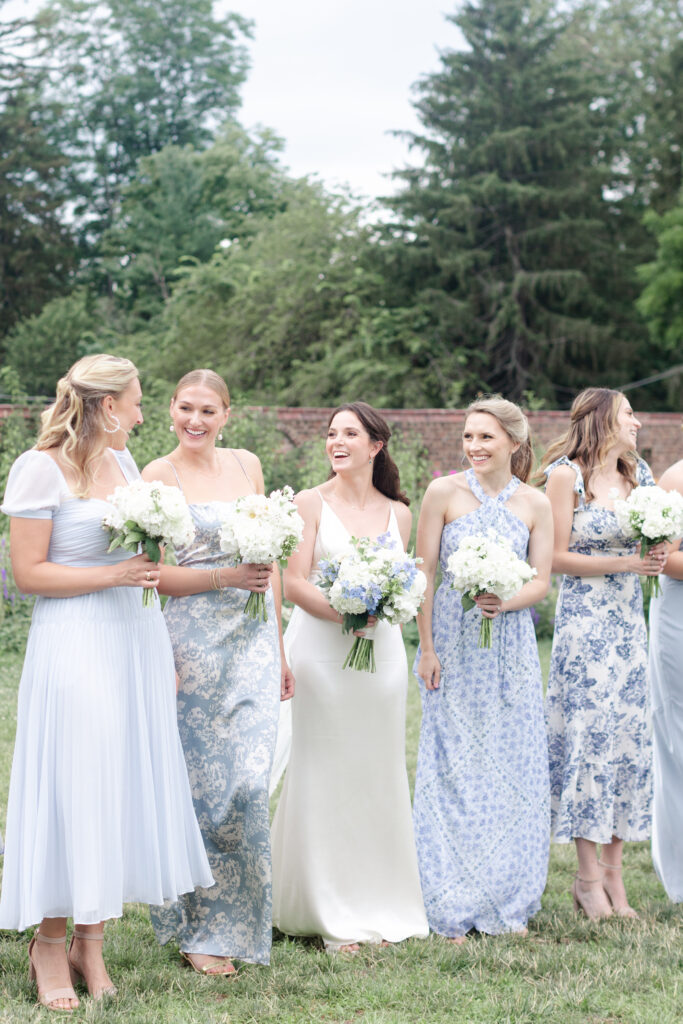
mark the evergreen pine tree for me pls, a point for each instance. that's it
(511, 226)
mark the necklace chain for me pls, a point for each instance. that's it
(356, 508)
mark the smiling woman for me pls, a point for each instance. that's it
(232, 675)
(597, 701)
(481, 788)
(100, 807)
(344, 863)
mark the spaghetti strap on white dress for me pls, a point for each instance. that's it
(344, 859)
(100, 811)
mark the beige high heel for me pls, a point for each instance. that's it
(620, 911)
(77, 973)
(51, 995)
(593, 906)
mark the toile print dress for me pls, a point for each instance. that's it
(481, 810)
(597, 701)
(228, 703)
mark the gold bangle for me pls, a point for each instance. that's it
(215, 579)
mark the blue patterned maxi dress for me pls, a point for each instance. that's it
(481, 793)
(229, 668)
(597, 702)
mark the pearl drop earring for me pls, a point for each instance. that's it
(220, 437)
(171, 428)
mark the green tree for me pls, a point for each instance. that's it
(135, 76)
(636, 46)
(180, 205)
(661, 302)
(262, 308)
(509, 229)
(37, 252)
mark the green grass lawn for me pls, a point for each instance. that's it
(567, 971)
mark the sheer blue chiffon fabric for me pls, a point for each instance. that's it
(666, 688)
(100, 810)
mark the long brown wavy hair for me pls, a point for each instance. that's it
(593, 430)
(385, 475)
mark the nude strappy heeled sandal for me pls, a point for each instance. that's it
(50, 995)
(76, 973)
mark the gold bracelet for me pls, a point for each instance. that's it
(215, 579)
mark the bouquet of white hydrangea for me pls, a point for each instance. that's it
(259, 529)
(487, 564)
(650, 515)
(145, 515)
(373, 577)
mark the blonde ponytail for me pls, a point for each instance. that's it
(75, 422)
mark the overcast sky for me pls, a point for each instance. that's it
(334, 77)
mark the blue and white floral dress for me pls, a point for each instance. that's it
(481, 812)
(228, 703)
(597, 702)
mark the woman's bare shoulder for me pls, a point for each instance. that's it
(160, 469)
(672, 478)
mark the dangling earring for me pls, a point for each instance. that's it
(220, 437)
(464, 461)
(370, 460)
(113, 430)
(171, 428)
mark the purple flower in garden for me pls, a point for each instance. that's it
(535, 617)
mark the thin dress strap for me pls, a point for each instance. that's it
(239, 463)
(175, 473)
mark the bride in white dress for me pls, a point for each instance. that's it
(344, 860)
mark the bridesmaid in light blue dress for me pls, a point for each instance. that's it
(100, 810)
(232, 677)
(597, 701)
(481, 811)
(666, 688)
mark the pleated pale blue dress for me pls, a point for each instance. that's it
(228, 706)
(481, 810)
(100, 810)
(666, 687)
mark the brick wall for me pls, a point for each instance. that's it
(660, 440)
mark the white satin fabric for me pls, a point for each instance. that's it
(344, 860)
(666, 686)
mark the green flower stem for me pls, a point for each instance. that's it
(485, 632)
(361, 657)
(255, 608)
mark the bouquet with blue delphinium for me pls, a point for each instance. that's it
(372, 577)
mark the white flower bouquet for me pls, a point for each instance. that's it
(373, 577)
(487, 564)
(650, 515)
(147, 514)
(259, 529)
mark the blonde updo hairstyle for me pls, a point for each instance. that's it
(75, 423)
(593, 430)
(516, 426)
(207, 379)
